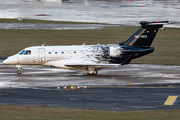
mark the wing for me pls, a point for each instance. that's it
(93, 65)
(81, 66)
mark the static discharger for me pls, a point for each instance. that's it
(170, 100)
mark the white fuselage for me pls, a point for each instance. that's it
(59, 56)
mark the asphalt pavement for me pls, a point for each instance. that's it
(50, 26)
(129, 87)
(114, 98)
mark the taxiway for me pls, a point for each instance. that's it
(150, 86)
(41, 26)
(112, 98)
(135, 74)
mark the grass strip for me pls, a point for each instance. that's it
(15, 112)
(166, 43)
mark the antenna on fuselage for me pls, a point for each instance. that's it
(42, 45)
(83, 44)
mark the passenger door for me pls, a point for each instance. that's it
(41, 53)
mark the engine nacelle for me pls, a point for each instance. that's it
(115, 51)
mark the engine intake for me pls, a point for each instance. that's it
(115, 51)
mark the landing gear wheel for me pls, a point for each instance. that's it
(95, 72)
(19, 71)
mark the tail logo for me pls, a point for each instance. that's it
(140, 36)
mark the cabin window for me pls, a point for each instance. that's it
(62, 52)
(49, 52)
(75, 52)
(56, 52)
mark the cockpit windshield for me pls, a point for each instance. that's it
(21, 52)
(25, 52)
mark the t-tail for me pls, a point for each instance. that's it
(145, 35)
(139, 43)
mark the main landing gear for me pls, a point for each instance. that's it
(95, 72)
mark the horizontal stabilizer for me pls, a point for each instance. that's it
(156, 24)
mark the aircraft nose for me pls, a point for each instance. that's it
(6, 61)
(9, 61)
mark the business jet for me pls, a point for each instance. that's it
(90, 58)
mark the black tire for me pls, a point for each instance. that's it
(19, 71)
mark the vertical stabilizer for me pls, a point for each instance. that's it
(145, 35)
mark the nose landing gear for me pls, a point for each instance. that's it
(19, 69)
